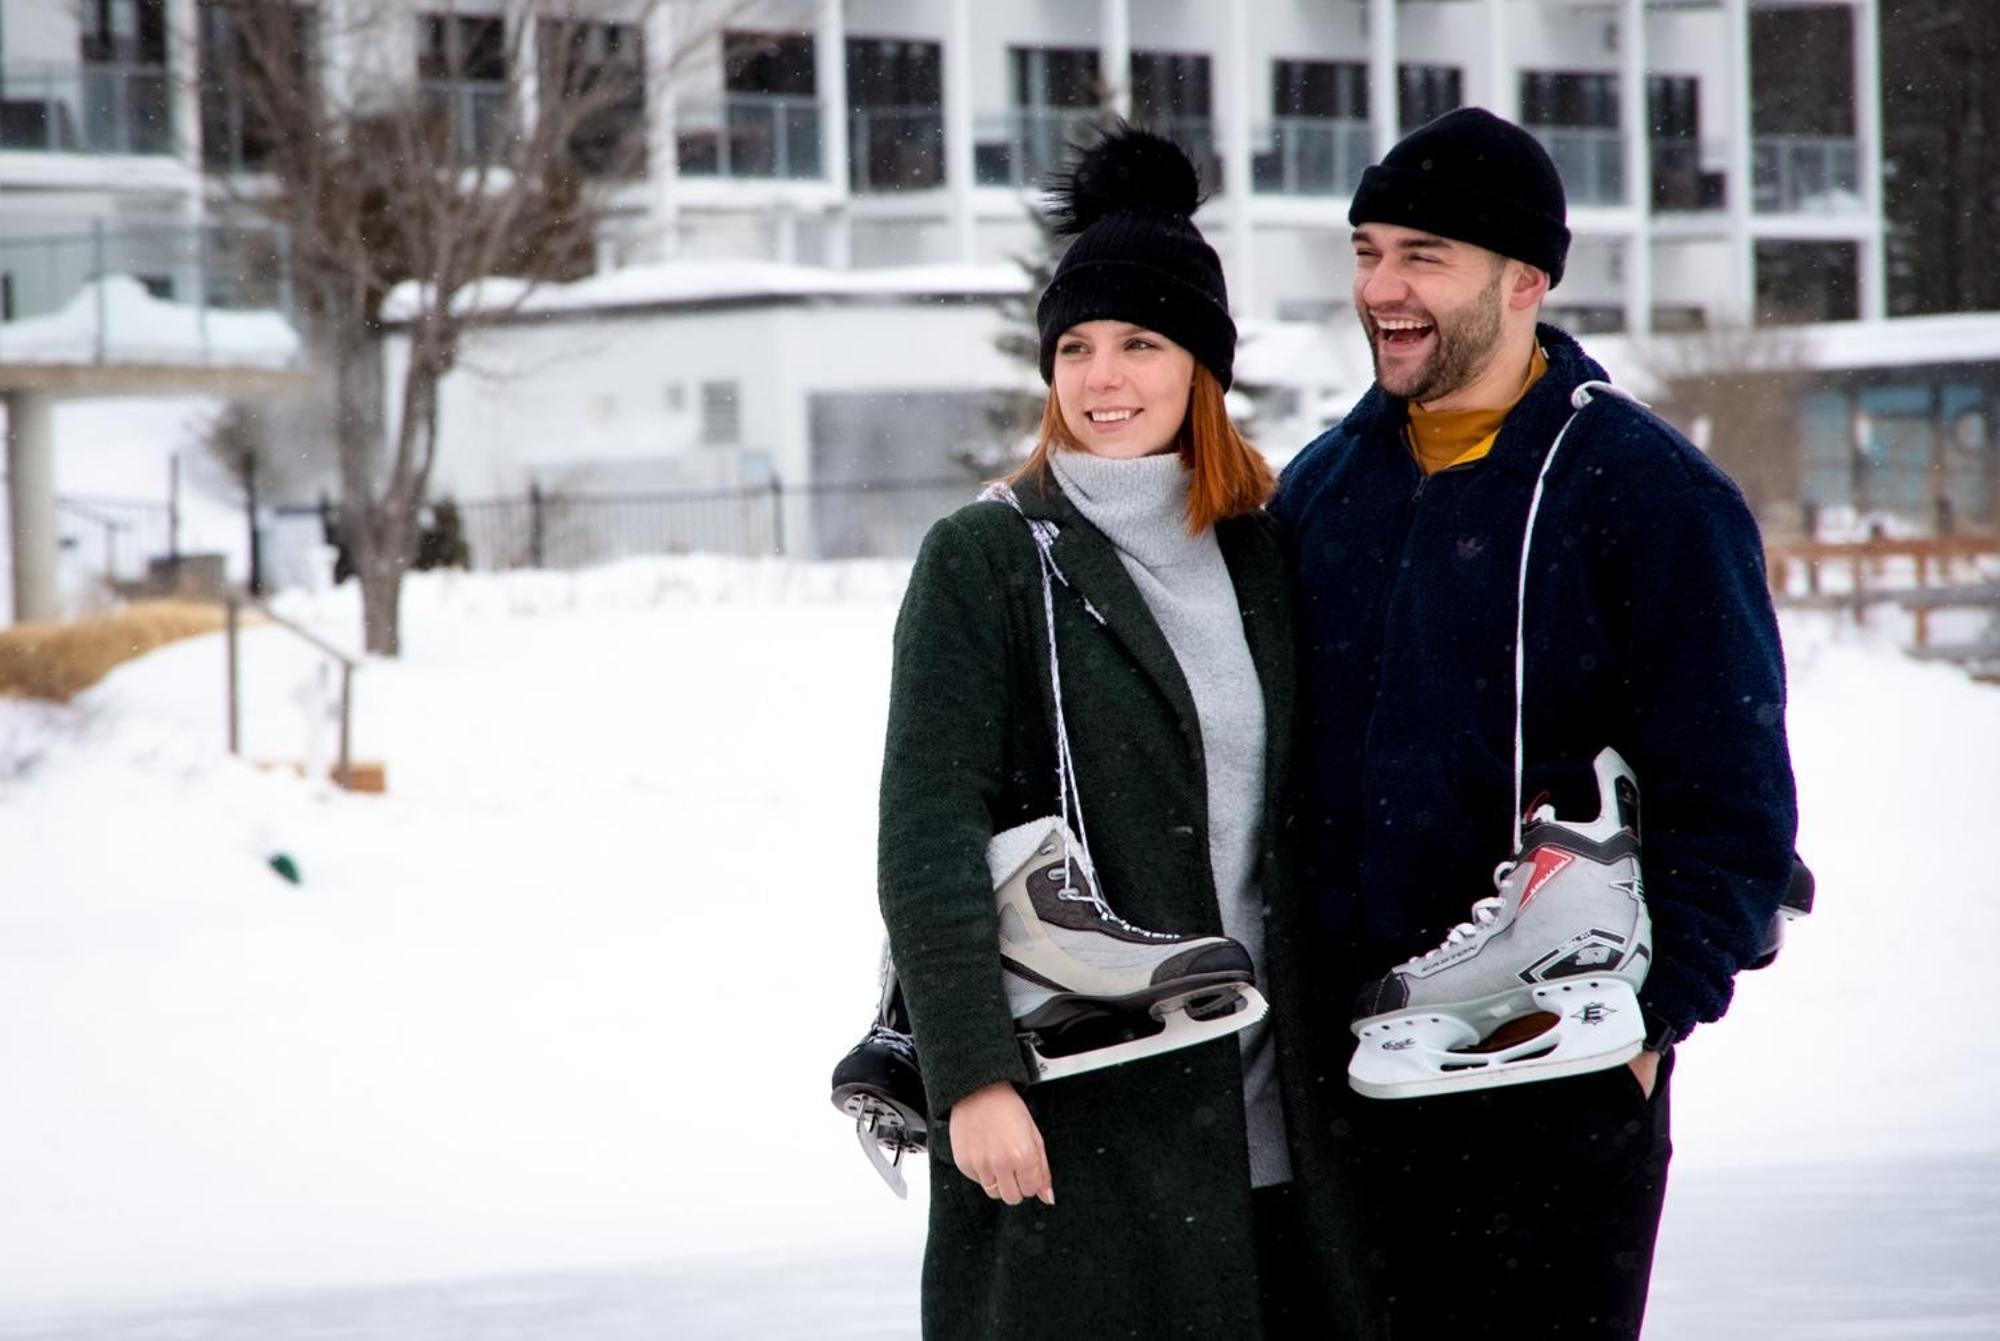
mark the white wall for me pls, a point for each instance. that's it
(550, 401)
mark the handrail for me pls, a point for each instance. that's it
(236, 601)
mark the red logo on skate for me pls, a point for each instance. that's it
(1549, 863)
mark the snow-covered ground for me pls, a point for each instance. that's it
(565, 999)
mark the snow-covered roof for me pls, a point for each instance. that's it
(1302, 354)
(1828, 346)
(115, 320)
(679, 283)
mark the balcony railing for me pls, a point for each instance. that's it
(203, 295)
(895, 148)
(1805, 174)
(475, 112)
(766, 135)
(1024, 147)
(1591, 160)
(1311, 156)
(86, 109)
(1681, 184)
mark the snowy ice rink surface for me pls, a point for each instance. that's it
(567, 997)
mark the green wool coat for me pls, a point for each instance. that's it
(1151, 1234)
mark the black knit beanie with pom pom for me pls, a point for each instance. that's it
(1129, 201)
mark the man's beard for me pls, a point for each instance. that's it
(1465, 344)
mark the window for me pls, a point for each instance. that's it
(1056, 98)
(1169, 88)
(461, 47)
(1575, 115)
(604, 63)
(462, 64)
(1564, 98)
(1320, 89)
(896, 93)
(1807, 281)
(1170, 94)
(1426, 92)
(123, 32)
(1319, 141)
(721, 414)
(1055, 77)
(1673, 123)
(237, 134)
(888, 72)
(769, 63)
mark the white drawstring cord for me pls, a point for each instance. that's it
(1578, 398)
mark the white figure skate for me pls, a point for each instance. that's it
(1088, 989)
(1542, 982)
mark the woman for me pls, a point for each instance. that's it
(1171, 621)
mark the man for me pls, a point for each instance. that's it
(1530, 1209)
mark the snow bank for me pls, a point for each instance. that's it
(569, 993)
(115, 320)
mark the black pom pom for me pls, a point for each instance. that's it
(1129, 169)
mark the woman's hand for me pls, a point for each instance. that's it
(995, 1143)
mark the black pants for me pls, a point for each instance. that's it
(1284, 1275)
(1524, 1211)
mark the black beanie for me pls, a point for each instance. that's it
(1130, 200)
(1472, 177)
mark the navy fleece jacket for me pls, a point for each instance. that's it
(1649, 629)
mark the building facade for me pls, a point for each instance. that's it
(1724, 158)
(1704, 188)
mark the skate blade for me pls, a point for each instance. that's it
(1418, 1054)
(890, 1169)
(1178, 1030)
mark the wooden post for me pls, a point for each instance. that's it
(235, 701)
(346, 720)
(777, 514)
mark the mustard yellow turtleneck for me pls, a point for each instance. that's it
(1445, 438)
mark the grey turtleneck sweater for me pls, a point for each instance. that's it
(1141, 507)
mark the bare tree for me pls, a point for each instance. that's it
(483, 154)
(1734, 390)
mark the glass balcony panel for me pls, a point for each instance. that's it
(1806, 174)
(753, 135)
(1681, 182)
(475, 113)
(1025, 146)
(1591, 160)
(896, 148)
(86, 109)
(89, 273)
(1311, 156)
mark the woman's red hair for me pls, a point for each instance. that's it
(1231, 478)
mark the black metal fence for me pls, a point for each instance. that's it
(821, 520)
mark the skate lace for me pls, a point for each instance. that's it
(895, 1040)
(1484, 914)
(1071, 894)
(1069, 797)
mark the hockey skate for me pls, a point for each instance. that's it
(879, 1085)
(1797, 903)
(1542, 982)
(1088, 989)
